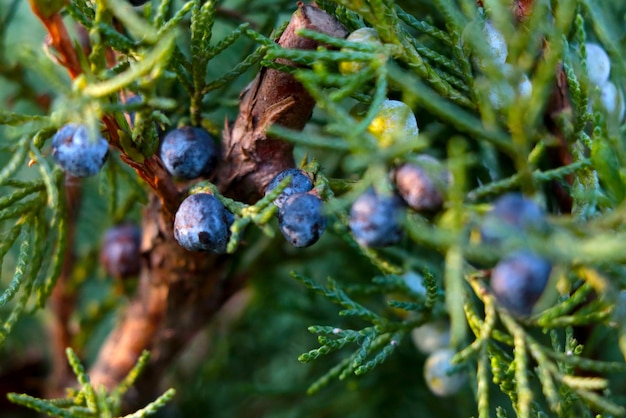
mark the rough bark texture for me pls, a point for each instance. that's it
(251, 158)
(63, 298)
(560, 154)
(180, 291)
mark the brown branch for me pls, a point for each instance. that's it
(558, 104)
(63, 298)
(521, 8)
(180, 291)
(151, 170)
(59, 39)
(251, 158)
(559, 155)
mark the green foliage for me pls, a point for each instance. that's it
(188, 61)
(89, 402)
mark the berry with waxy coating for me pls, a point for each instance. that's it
(202, 223)
(511, 215)
(77, 152)
(518, 281)
(375, 219)
(300, 183)
(301, 219)
(612, 99)
(438, 376)
(189, 153)
(421, 184)
(504, 94)
(525, 87)
(484, 33)
(598, 64)
(364, 36)
(121, 251)
(431, 336)
(497, 43)
(394, 123)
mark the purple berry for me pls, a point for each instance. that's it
(511, 215)
(202, 223)
(76, 152)
(121, 251)
(419, 185)
(518, 281)
(301, 219)
(300, 183)
(189, 153)
(375, 219)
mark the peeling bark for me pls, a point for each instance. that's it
(180, 291)
(252, 158)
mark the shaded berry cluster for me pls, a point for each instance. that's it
(201, 223)
(120, 253)
(300, 211)
(376, 218)
(520, 277)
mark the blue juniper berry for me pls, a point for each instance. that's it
(121, 251)
(300, 183)
(301, 219)
(189, 153)
(77, 153)
(512, 215)
(519, 280)
(375, 219)
(202, 223)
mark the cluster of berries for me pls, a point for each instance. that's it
(598, 72)
(517, 282)
(300, 214)
(519, 279)
(433, 339)
(375, 218)
(202, 222)
(500, 95)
